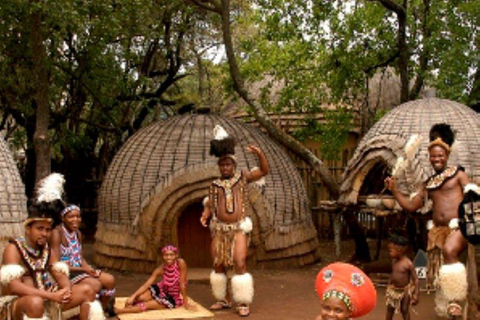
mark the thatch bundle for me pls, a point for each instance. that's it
(13, 202)
(385, 142)
(166, 167)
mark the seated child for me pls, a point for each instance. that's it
(345, 292)
(403, 287)
(170, 292)
(66, 244)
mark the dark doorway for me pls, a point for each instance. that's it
(194, 239)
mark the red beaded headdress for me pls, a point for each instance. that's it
(348, 283)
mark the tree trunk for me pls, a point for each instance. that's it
(40, 139)
(262, 117)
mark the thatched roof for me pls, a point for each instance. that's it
(166, 166)
(386, 139)
(13, 202)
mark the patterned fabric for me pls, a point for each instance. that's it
(72, 252)
(223, 235)
(36, 262)
(167, 292)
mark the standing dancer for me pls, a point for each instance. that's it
(228, 207)
(445, 242)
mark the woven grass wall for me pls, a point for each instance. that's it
(13, 202)
(166, 166)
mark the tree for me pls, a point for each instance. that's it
(326, 51)
(105, 69)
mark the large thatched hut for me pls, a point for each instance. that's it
(153, 190)
(379, 149)
(13, 202)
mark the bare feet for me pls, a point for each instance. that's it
(243, 311)
(454, 309)
(221, 304)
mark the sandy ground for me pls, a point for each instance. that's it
(279, 294)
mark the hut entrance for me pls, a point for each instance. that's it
(194, 239)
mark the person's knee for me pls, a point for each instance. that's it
(34, 306)
(87, 292)
(108, 280)
(240, 265)
(449, 253)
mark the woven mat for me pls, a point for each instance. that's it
(177, 313)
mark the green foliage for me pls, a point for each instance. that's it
(332, 134)
(113, 67)
(324, 51)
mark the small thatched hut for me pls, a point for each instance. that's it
(153, 190)
(378, 150)
(13, 202)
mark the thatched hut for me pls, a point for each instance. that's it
(153, 190)
(379, 149)
(13, 202)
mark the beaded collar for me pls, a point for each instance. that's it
(35, 260)
(438, 179)
(227, 185)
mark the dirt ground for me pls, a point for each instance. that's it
(279, 294)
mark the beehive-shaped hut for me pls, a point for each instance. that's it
(13, 202)
(153, 191)
(377, 152)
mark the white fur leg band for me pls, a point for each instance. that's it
(9, 272)
(452, 279)
(219, 285)
(242, 288)
(61, 267)
(96, 311)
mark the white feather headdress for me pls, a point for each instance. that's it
(50, 188)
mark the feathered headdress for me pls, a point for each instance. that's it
(48, 203)
(441, 134)
(410, 149)
(222, 145)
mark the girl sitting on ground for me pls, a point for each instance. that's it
(345, 292)
(170, 292)
(66, 243)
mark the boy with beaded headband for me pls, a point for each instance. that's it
(445, 188)
(35, 284)
(227, 205)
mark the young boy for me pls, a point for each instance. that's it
(403, 287)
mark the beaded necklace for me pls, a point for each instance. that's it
(437, 180)
(35, 260)
(72, 252)
(227, 185)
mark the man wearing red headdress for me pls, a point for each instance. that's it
(228, 206)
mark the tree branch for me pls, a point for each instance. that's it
(261, 116)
